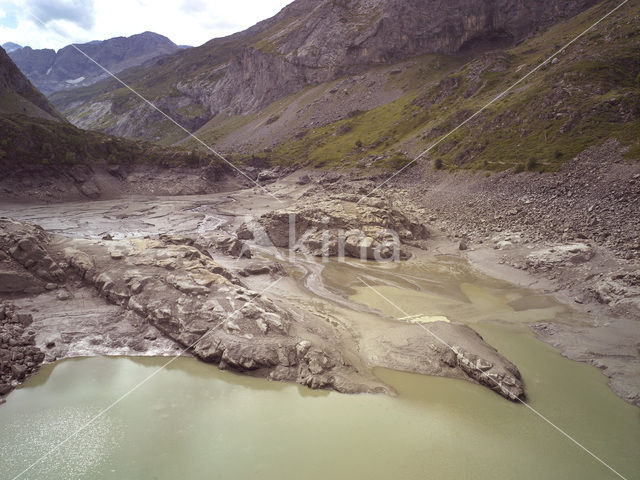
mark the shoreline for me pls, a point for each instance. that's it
(603, 340)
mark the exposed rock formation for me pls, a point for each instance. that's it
(19, 357)
(173, 285)
(347, 225)
(319, 41)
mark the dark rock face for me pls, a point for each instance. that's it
(19, 357)
(51, 71)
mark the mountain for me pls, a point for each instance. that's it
(375, 82)
(309, 42)
(39, 147)
(19, 97)
(68, 68)
(10, 47)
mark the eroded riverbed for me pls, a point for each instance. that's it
(194, 421)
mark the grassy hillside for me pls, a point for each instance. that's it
(590, 93)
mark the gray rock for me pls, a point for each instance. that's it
(90, 189)
(63, 294)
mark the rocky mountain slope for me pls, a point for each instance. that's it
(18, 96)
(386, 116)
(306, 44)
(44, 156)
(10, 47)
(67, 68)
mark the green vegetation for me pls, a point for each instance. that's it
(33, 142)
(588, 94)
(579, 101)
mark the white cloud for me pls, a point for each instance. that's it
(78, 12)
(190, 22)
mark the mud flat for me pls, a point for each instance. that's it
(164, 270)
(155, 289)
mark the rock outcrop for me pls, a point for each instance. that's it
(26, 265)
(180, 290)
(342, 225)
(320, 41)
(172, 287)
(19, 357)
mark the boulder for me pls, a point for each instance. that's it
(78, 260)
(90, 189)
(369, 228)
(17, 282)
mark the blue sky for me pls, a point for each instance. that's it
(186, 22)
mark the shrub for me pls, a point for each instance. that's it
(532, 163)
(437, 164)
(398, 160)
(344, 129)
(192, 159)
(273, 119)
(519, 168)
(359, 144)
(71, 158)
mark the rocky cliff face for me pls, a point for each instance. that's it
(314, 42)
(310, 42)
(51, 71)
(338, 37)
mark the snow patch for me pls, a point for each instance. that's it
(77, 80)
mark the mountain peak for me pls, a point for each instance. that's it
(10, 46)
(67, 68)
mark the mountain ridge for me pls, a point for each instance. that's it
(44, 156)
(18, 95)
(67, 68)
(10, 46)
(305, 44)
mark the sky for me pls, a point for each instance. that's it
(186, 22)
